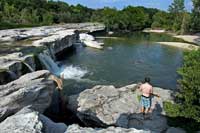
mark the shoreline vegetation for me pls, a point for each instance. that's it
(23, 13)
(192, 42)
(186, 105)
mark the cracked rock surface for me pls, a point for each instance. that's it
(106, 106)
(33, 89)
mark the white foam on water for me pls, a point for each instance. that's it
(72, 72)
(66, 72)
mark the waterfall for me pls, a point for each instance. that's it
(49, 63)
(66, 72)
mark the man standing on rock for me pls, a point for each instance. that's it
(147, 91)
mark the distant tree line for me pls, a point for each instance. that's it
(21, 13)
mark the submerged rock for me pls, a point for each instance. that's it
(106, 105)
(34, 89)
(30, 121)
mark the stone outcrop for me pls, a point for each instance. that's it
(33, 89)
(55, 40)
(14, 65)
(89, 40)
(30, 121)
(106, 105)
(58, 41)
(78, 129)
(44, 31)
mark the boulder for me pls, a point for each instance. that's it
(89, 40)
(15, 65)
(77, 129)
(34, 89)
(84, 36)
(106, 105)
(30, 121)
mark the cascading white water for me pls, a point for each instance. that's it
(66, 72)
(71, 72)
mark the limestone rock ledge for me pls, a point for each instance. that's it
(109, 106)
(44, 31)
(33, 89)
(30, 121)
(14, 65)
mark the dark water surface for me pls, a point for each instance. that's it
(125, 60)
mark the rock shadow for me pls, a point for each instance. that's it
(151, 121)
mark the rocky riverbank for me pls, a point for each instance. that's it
(104, 106)
(27, 89)
(190, 38)
(181, 45)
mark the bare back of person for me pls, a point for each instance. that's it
(146, 89)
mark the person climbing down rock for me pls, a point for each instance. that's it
(147, 92)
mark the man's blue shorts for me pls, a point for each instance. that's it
(146, 101)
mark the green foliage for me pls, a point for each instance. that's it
(177, 119)
(19, 13)
(185, 27)
(177, 6)
(161, 20)
(177, 11)
(190, 85)
(128, 19)
(40, 12)
(195, 23)
(47, 18)
(177, 20)
(187, 104)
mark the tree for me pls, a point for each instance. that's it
(137, 18)
(190, 86)
(177, 10)
(177, 6)
(161, 20)
(109, 17)
(196, 16)
(188, 98)
(185, 27)
(47, 18)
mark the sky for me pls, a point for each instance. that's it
(119, 4)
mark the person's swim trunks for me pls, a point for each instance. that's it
(146, 102)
